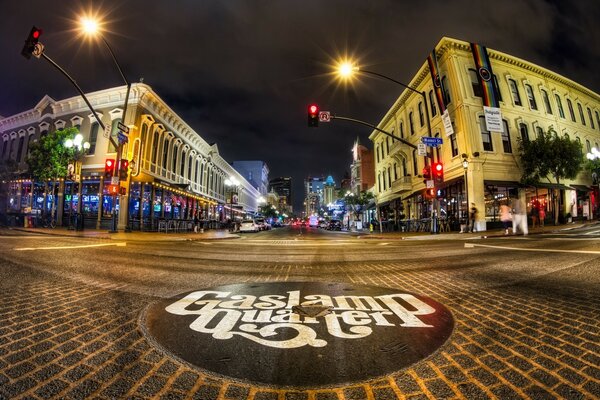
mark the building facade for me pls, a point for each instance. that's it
(362, 169)
(174, 173)
(313, 195)
(255, 172)
(283, 187)
(480, 166)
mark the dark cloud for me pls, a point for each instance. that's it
(242, 73)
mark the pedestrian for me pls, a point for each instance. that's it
(505, 217)
(473, 215)
(535, 214)
(542, 216)
(519, 217)
(196, 223)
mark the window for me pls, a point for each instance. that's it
(588, 146)
(93, 137)
(377, 152)
(570, 105)
(404, 170)
(530, 97)
(174, 158)
(384, 180)
(395, 171)
(507, 146)
(446, 88)
(515, 92)
(165, 152)
(539, 131)
(182, 164)
(486, 136)
(145, 146)
(20, 150)
(453, 145)
(598, 119)
(410, 121)
(387, 144)
(432, 102)
(580, 146)
(581, 113)
(561, 112)
(546, 101)
(524, 132)
(402, 128)
(4, 148)
(389, 174)
(379, 182)
(421, 117)
(477, 89)
(591, 119)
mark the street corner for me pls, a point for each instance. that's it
(304, 328)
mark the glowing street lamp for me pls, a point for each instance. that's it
(80, 148)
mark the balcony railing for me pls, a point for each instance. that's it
(402, 184)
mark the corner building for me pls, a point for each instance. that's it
(531, 99)
(174, 173)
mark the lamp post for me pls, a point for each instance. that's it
(232, 183)
(91, 27)
(80, 148)
(594, 164)
(465, 164)
(347, 69)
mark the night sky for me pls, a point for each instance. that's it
(242, 73)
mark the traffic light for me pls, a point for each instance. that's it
(430, 193)
(113, 189)
(109, 169)
(427, 172)
(30, 42)
(440, 193)
(438, 172)
(313, 115)
(123, 170)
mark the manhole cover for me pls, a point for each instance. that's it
(299, 334)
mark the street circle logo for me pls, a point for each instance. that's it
(301, 334)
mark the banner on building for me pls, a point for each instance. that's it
(439, 92)
(485, 75)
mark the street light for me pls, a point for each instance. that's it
(80, 148)
(465, 164)
(92, 27)
(232, 183)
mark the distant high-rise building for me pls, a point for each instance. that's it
(283, 187)
(329, 191)
(255, 172)
(313, 194)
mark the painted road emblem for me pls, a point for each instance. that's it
(300, 334)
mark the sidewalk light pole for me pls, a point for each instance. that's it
(347, 69)
(91, 27)
(232, 183)
(465, 164)
(80, 149)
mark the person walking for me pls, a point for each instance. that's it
(505, 217)
(473, 216)
(535, 214)
(519, 217)
(542, 216)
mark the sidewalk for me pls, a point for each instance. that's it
(465, 236)
(209, 234)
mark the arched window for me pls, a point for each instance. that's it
(477, 89)
(446, 88)
(402, 127)
(432, 102)
(93, 137)
(4, 147)
(581, 113)
(165, 152)
(570, 105)
(546, 101)
(410, 121)
(20, 150)
(530, 97)
(190, 163)
(182, 164)
(421, 116)
(174, 158)
(588, 146)
(561, 112)
(143, 137)
(512, 84)
(415, 165)
(506, 144)
(590, 117)
(580, 146)
(524, 132)
(155, 145)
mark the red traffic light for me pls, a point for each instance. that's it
(124, 164)
(439, 167)
(36, 34)
(313, 109)
(109, 163)
(313, 115)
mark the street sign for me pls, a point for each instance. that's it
(421, 149)
(122, 137)
(431, 141)
(114, 180)
(123, 128)
(107, 130)
(324, 116)
(429, 184)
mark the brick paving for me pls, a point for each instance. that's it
(68, 340)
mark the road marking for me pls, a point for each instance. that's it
(382, 244)
(205, 243)
(121, 244)
(471, 245)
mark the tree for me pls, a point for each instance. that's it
(550, 156)
(268, 211)
(48, 158)
(358, 202)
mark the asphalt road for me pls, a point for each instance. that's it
(525, 310)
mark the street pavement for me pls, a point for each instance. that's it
(525, 310)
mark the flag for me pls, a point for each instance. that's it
(437, 82)
(485, 75)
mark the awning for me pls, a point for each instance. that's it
(550, 186)
(504, 183)
(583, 188)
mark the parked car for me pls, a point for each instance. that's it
(323, 224)
(248, 225)
(334, 225)
(262, 224)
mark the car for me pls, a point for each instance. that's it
(262, 224)
(334, 225)
(248, 225)
(323, 224)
